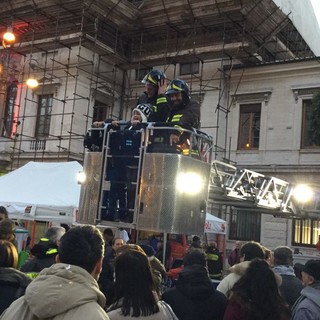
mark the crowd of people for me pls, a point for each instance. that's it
(85, 274)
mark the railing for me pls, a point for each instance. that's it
(38, 144)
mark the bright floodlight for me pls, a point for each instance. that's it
(189, 183)
(302, 193)
(81, 177)
(9, 36)
(32, 83)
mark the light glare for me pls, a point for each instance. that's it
(9, 37)
(81, 177)
(32, 83)
(189, 183)
(303, 193)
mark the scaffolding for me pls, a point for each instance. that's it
(86, 56)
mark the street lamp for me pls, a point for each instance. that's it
(8, 38)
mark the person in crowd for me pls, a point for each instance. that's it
(65, 226)
(194, 296)
(234, 256)
(214, 261)
(13, 282)
(248, 252)
(8, 231)
(196, 242)
(268, 256)
(159, 254)
(69, 288)
(44, 252)
(307, 307)
(256, 296)
(184, 113)
(106, 278)
(158, 269)
(297, 267)
(122, 234)
(3, 213)
(155, 87)
(291, 286)
(108, 239)
(134, 295)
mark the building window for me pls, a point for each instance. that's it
(189, 68)
(306, 232)
(101, 111)
(308, 136)
(249, 126)
(245, 225)
(44, 115)
(140, 73)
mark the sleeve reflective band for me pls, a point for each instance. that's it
(176, 117)
(32, 275)
(52, 251)
(162, 100)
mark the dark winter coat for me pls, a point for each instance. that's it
(44, 255)
(160, 106)
(291, 286)
(13, 284)
(185, 116)
(194, 297)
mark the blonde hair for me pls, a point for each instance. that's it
(8, 255)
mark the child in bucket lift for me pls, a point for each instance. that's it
(141, 113)
(122, 172)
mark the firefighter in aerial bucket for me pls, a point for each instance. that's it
(155, 83)
(184, 113)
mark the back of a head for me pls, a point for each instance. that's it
(108, 232)
(283, 256)
(134, 284)
(148, 250)
(195, 256)
(258, 279)
(251, 250)
(82, 247)
(138, 273)
(257, 291)
(8, 255)
(54, 234)
(7, 229)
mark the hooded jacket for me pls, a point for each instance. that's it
(194, 296)
(60, 292)
(307, 307)
(13, 284)
(236, 272)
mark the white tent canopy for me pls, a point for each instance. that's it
(44, 191)
(214, 224)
